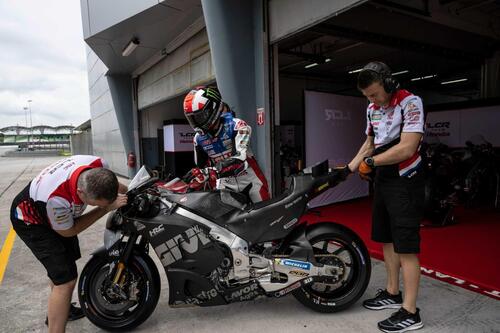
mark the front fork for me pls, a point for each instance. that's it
(119, 277)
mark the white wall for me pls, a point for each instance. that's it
(188, 66)
(106, 136)
(152, 118)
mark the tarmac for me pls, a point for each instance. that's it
(24, 290)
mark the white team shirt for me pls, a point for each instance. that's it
(56, 186)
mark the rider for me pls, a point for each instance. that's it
(221, 145)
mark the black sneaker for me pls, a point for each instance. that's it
(401, 321)
(384, 300)
(74, 314)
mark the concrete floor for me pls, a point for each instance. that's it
(24, 290)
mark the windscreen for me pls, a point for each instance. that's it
(140, 178)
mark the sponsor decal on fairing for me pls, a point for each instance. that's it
(245, 293)
(200, 298)
(276, 221)
(156, 230)
(290, 223)
(299, 273)
(170, 251)
(292, 287)
(293, 202)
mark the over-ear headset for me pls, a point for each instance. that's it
(384, 72)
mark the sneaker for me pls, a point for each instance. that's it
(401, 321)
(74, 314)
(384, 300)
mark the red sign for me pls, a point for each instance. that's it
(260, 116)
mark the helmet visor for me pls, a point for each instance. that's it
(199, 120)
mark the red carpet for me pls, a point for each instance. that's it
(466, 254)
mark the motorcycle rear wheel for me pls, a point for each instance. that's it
(111, 310)
(348, 252)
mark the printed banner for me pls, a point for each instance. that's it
(335, 130)
(443, 127)
(455, 127)
(178, 138)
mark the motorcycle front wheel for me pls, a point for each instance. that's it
(342, 249)
(122, 306)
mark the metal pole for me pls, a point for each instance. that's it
(26, 116)
(25, 108)
(31, 122)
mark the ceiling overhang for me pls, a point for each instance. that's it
(155, 28)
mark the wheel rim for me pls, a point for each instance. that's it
(334, 251)
(106, 304)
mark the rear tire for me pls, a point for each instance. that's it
(349, 252)
(114, 312)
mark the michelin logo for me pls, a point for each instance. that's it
(297, 264)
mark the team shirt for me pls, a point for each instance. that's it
(404, 113)
(55, 188)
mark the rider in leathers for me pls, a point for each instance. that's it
(221, 145)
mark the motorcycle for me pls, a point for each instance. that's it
(217, 248)
(441, 188)
(480, 181)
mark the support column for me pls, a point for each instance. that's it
(490, 77)
(237, 37)
(120, 87)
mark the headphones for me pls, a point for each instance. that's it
(384, 72)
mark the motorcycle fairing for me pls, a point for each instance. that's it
(181, 242)
(188, 288)
(188, 255)
(273, 219)
(243, 292)
(208, 204)
(263, 221)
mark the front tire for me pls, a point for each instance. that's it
(123, 308)
(336, 245)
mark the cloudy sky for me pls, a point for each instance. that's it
(43, 59)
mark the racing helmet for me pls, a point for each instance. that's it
(202, 108)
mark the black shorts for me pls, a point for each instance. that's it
(57, 254)
(398, 209)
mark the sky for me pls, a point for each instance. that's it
(43, 59)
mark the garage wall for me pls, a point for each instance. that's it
(151, 120)
(188, 66)
(106, 136)
(81, 143)
(292, 95)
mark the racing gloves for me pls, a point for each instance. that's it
(201, 179)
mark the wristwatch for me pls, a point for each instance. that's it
(369, 161)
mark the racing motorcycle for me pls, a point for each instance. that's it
(217, 248)
(441, 189)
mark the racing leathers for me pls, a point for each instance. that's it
(229, 153)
